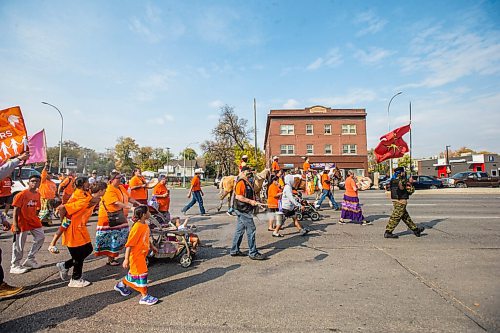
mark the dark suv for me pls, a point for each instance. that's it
(426, 182)
(473, 179)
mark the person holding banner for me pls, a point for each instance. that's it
(6, 169)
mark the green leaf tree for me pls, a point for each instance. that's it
(125, 151)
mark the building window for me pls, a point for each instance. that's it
(328, 149)
(328, 129)
(349, 149)
(287, 129)
(287, 150)
(309, 129)
(348, 129)
(310, 149)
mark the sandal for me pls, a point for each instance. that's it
(277, 235)
(113, 262)
(270, 229)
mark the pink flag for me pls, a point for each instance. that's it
(38, 148)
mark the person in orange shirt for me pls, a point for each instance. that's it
(162, 195)
(6, 194)
(325, 192)
(273, 197)
(47, 191)
(25, 221)
(138, 246)
(197, 193)
(351, 209)
(275, 167)
(306, 166)
(111, 239)
(66, 187)
(74, 216)
(138, 187)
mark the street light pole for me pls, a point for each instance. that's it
(448, 166)
(61, 141)
(389, 126)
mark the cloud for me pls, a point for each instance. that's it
(373, 24)
(291, 104)
(216, 104)
(166, 118)
(154, 84)
(352, 99)
(372, 55)
(331, 59)
(445, 57)
(153, 28)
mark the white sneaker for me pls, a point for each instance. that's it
(78, 283)
(18, 270)
(63, 272)
(31, 263)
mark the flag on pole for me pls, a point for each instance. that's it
(13, 137)
(38, 148)
(392, 144)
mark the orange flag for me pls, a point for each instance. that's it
(13, 137)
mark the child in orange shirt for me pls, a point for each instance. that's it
(138, 246)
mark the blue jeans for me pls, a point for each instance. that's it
(245, 223)
(329, 194)
(196, 197)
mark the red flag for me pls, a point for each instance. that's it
(13, 138)
(392, 144)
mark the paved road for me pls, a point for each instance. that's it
(340, 278)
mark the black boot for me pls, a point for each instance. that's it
(418, 231)
(389, 234)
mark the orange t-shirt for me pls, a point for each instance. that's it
(240, 188)
(111, 196)
(164, 203)
(195, 183)
(67, 183)
(29, 205)
(138, 241)
(47, 187)
(140, 193)
(5, 187)
(77, 207)
(350, 184)
(274, 190)
(306, 166)
(324, 184)
(275, 166)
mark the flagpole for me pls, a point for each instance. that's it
(411, 147)
(389, 126)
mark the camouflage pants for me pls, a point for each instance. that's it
(399, 213)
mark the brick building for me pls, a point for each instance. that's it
(333, 137)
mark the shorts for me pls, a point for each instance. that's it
(288, 213)
(7, 200)
(273, 210)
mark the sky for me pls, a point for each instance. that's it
(159, 71)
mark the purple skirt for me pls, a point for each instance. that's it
(351, 209)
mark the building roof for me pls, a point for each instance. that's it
(313, 111)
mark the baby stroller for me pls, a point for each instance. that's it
(170, 242)
(309, 210)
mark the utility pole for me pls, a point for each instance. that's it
(255, 126)
(448, 166)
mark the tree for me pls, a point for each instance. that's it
(231, 129)
(125, 150)
(404, 161)
(373, 166)
(188, 154)
(258, 163)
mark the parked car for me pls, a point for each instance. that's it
(384, 185)
(426, 182)
(17, 184)
(474, 179)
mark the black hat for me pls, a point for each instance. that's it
(399, 169)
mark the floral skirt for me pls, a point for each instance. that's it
(110, 241)
(351, 209)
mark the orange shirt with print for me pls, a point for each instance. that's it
(195, 183)
(275, 166)
(274, 190)
(78, 208)
(325, 182)
(306, 166)
(140, 193)
(350, 186)
(111, 196)
(164, 203)
(29, 205)
(5, 187)
(47, 187)
(138, 241)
